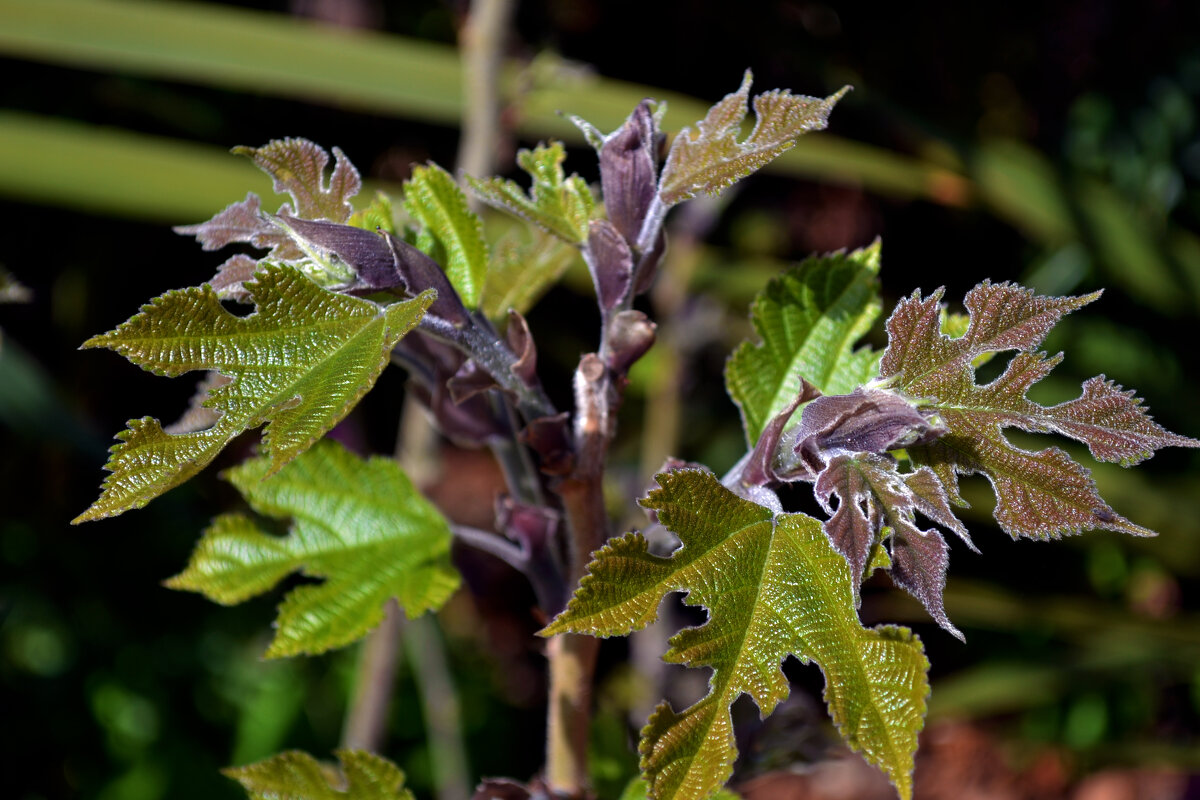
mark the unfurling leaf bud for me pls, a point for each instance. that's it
(610, 262)
(628, 171)
(630, 336)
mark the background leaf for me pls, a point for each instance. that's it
(299, 363)
(809, 319)
(772, 586)
(360, 525)
(298, 776)
(434, 200)
(523, 266)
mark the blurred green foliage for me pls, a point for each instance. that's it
(1057, 147)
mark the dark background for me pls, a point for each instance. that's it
(114, 687)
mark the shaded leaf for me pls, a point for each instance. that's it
(378, 215)
(522, 269)
(295, 775)
(710, 158)
(434, 200)
(298, 168)
(560, 205)
(809, 319)
(1041, 494)
(299, 363)
(772, 586)
(358, 524)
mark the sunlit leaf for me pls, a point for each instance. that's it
(298, 776)
(809, 320)
(558, 204)
(772, 586)
(1042, 494)
(299, 363)
(434, 200)
(709, 158)
(358, 524)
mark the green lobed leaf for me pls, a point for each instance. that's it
(299, 363)
(435, 201)
(521, 271)
(709, 158)
(809, 319)
(560, 205)
(1042, 494)
(360, 525)
(295, 775)
(772, 586)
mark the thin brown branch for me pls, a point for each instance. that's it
(367, 720)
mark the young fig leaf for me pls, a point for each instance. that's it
(295, 775)
(298, 167)
(629, 170)
(560, 205)
(358, 524)
(809, 320)
(299, 363)
(710, 158)
(772, 586)
(1043, 494)
(434, 200)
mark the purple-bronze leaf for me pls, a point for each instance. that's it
(550, 439)
(243, 222)
(628, 171)
(610, 261)
(231, 277)
(854, 525)
(929, 497)
(521, 342)
(759, 467)
(919, 561)
(1041, 494)
(364, 252)
(298, 168)
(420, 272)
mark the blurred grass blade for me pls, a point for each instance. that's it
(275, 54)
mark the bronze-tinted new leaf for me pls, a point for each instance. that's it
(1041, 494)
(709, 158)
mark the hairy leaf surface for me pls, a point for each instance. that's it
(809, 319)
(295, 775)
(1043, 494)
(433, 199)
(710, 158)
(772, 586)
(299, 363)
(359, 524)
(558, 204)
(298, 168)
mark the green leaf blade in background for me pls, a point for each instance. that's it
(296, 775)
(523, 266)
(434, 200)
(809, 320)
(772, 586)
(360, 525)
(299, 364)
(556, 203)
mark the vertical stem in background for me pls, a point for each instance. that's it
(439, 704)
(367, 720)
(481, 41)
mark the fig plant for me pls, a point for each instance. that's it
(339, 294)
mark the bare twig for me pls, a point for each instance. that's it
(482, 43)
(439, 705)
(367, 721)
